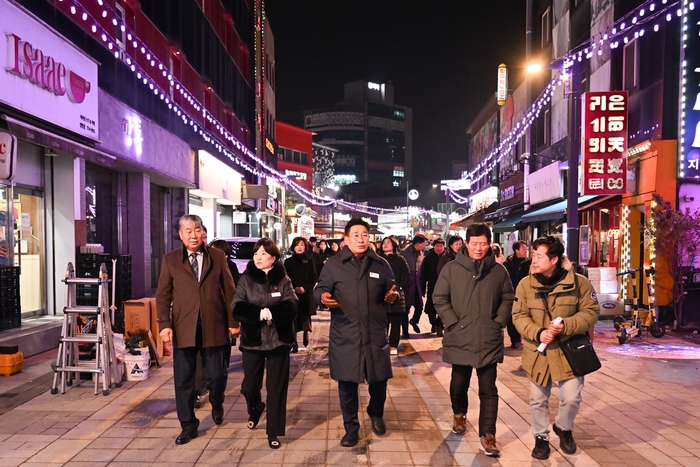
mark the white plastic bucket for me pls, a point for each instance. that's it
(137, 365)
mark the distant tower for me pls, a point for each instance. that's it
(373, 136)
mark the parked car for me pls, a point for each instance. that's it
(241, 250)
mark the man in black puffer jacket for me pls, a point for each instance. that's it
(358, 287)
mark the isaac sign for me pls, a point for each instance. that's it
(45, 76)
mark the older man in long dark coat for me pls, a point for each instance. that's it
(196, 282)
(358, 286)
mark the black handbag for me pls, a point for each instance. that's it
(578, 349)
(580, 354)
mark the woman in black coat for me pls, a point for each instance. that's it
(399, 266)
(265, 305)
(302, 271)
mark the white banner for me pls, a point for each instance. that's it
(8, 156)
(545, 184)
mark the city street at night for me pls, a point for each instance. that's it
(639, 410)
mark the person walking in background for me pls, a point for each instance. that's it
(358, 287)
(512, 264)
(429, 275)
(552, 291)
(498, 253)
(414, 255)
(321, 255)
(474, 298)
(302, 272)
(265, 304)
(399, 266)
(223, 245)
(453, 245)
(311, 249)
(196, 282)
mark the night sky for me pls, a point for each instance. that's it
(440, 55)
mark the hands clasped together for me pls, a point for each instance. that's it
(266, 315)
(328, 300)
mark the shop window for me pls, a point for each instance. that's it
(29, 249)
(546, 25)
(100, 207)
(630, 70)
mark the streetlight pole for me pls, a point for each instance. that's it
(572, 240)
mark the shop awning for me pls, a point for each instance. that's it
(509, 223)
(494, 216)
(42, 137)
(558, 210)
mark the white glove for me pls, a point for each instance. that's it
(266, 315)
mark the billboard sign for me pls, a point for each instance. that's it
(46, 76)
(604, 143)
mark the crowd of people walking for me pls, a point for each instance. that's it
(469, 290)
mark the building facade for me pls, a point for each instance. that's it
(123, 124)
(372, 134)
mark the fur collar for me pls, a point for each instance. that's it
(275, 275)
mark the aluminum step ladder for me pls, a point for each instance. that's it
(105, 366)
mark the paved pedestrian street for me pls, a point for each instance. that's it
(636, 411)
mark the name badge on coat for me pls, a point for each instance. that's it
(374, 275)
(276, 294)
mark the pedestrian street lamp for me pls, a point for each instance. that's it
(573, 69)
(411, 195)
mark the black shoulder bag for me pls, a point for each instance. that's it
(578, 349)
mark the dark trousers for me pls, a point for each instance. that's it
(350, 401)
(277, 384)
(184, 369)
(201, 383)
(431, 312)
(394, 325)
(512, 332)
(488, 395)
(417, 304)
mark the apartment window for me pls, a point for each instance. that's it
(630, 70)
(297, 157)
(305, 158)
(120, 34)
(547, 126)
(546, 25)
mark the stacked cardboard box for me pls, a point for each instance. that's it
(604, 282)
(140, 316)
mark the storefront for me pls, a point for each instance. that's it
(510, 206)
(51, 108)
(217, 196)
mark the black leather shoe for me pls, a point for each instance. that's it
(541, 449)
(350, 439)
(566, 440)
(186, 436)
(217, 413)
(440, 331)
(378, 426)
(415, 327)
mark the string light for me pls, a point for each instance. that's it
(620, 29)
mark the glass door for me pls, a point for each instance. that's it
(29, 251)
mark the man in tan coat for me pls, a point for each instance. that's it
(193, 300)
(549, 292)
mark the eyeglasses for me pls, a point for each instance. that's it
(357, 237)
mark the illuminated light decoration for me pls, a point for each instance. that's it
(506, 145)
(72, 10)
(104, 13)
(84, 16)
(94, 29)
(114, 21)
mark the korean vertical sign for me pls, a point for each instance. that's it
(604, 143)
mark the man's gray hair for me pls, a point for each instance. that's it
(196, 220)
